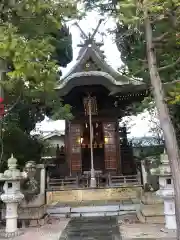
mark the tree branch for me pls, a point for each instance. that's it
(143, 60)
(169, 66)
(160, 38)
(140, 71)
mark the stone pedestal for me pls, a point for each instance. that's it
(12, 196)
(11, 217)
(144, 173)
(169, 210)
(166, 191)
(151, 209)
(33, 213)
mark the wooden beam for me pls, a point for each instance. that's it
(96, 29)
(82, 32)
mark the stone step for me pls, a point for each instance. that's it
(104, 210)
(89, 214)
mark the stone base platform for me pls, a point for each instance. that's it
(32, 213)
(131, 193)
(151, 214)
(94, 202)
(4, 235)
(151, 209)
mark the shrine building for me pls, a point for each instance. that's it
(95, 145)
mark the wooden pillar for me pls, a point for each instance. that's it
(110, 146)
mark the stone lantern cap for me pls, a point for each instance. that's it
(164, 169)
(12, 174)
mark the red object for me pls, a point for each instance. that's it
(1, 99)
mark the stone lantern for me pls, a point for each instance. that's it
(166, 191)
(11, 196)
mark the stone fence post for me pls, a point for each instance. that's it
(42, 178)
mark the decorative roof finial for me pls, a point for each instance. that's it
(96, 29)
(82, 32)
(88, 39)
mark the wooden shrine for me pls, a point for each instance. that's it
(112, 95)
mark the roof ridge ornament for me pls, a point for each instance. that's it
(89, 39)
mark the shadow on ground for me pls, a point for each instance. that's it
(92, 228)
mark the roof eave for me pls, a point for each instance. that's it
(111, 84)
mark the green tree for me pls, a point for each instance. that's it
(35, 42)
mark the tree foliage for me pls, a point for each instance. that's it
(29, 34)
(34, 43)
(130, 40)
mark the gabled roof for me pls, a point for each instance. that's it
(92, 52)
(112, 78)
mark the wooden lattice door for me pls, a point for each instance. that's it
(110, 146)
(75, 139)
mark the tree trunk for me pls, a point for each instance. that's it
(164, 117)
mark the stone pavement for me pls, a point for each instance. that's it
(92, 228)
(50, 231)
(140, 231)
(97, 228)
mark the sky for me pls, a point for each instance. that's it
(140, 125)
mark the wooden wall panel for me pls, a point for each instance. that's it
(110, 146)
(75, 148)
